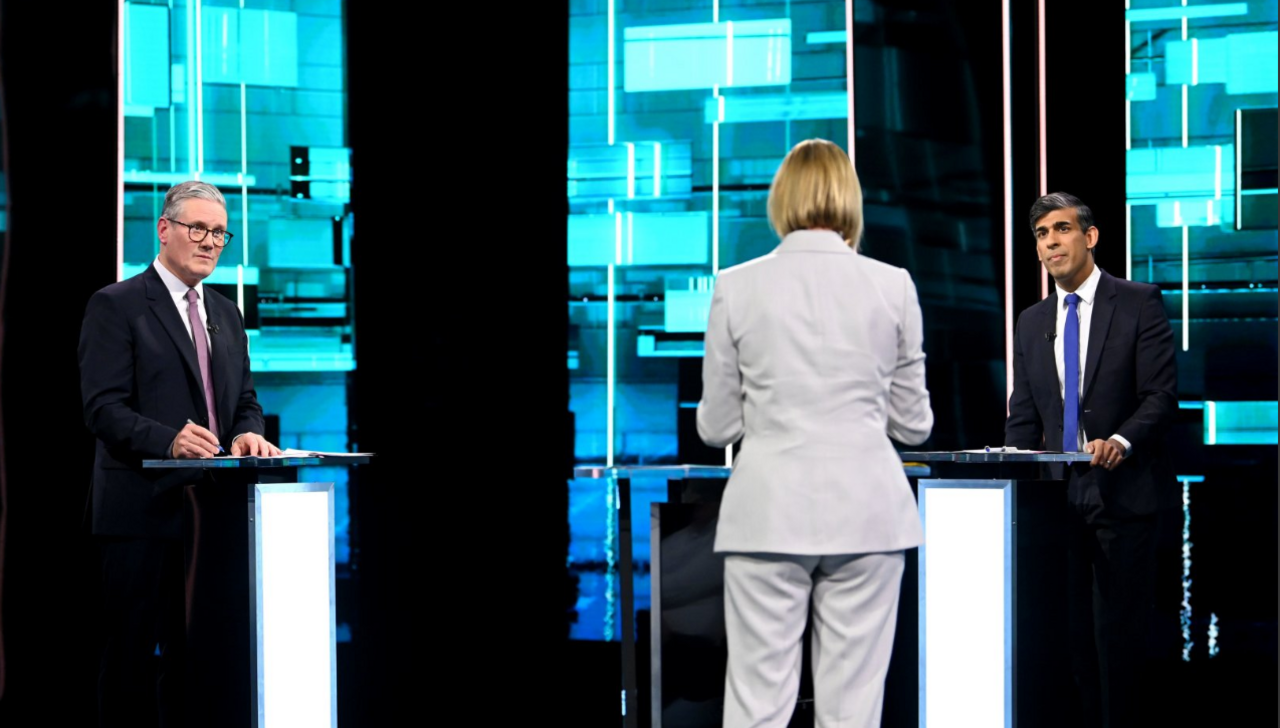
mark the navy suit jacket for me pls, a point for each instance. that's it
(1130, 389)
(140, 383)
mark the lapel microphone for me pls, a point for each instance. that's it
(213, 328)
(1050, 336)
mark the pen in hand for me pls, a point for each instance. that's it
(193, 422)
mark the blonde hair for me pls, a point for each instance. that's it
(817, 187)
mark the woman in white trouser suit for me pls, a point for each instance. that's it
(814, 359)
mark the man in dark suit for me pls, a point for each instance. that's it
(164, 373)
(1094, 371)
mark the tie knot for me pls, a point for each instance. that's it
(192, 295)
(1071, 299)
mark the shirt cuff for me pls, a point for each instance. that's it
(1128, 449)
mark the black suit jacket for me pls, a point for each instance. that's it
(140, 383)
(1130, 389)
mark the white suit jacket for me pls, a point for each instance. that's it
(814, 358)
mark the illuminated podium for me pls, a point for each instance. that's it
(261, 619)
(991, 581)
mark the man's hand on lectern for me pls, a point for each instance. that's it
(253, 444)
(194, 441)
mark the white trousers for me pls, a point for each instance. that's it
(855, 606)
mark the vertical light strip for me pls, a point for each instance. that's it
(848, 81)
(1217, 171)
(244, 185)
(657, 169)
(122, 53)
(1186, 298)
(1128, 144)
(610, 72)
(728, 36)
(1239, 118)
(1184, 116)
(715, 182)
(1195, 62)
(1044, 126)
(1213, 634)
(631, 170)
(199, 91)
(609, 377)
(617, 238)
(630, 238)
(1211, 412)
(240, 287)
(190, 91)
(715, 11)
(1006, 81)
(1128, 242)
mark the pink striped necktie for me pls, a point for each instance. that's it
(202, 353)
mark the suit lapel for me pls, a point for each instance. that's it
(1046, 325)
(1104, 306)
(164, 310)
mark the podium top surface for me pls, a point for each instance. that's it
(681, 472)
(252, 462)
(958, 456)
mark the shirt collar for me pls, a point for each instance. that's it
(1086, 290)
(174, 283)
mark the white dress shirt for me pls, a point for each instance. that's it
(1084, 311)
(178, 290)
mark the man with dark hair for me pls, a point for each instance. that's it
(1094, 371)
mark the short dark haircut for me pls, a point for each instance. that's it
(1062, 201)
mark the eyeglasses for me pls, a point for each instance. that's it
(198, 233)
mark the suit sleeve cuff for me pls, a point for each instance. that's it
(1128, 448)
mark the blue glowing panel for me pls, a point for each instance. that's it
(146, 58)
(1252, 61)
(640, 238)
(1192, 11)
(705, 55)
(1140, 87)
(671, 238)
(1240, 423)
(300, 243)
(777, 107)
(220, 49)
(826, 36)
(270, 53)
(1195, 212)
(686, 311)
(1196, 61)
(1170, 173)
(1245, 62)
(255, 47)
(593, 240)
(641, 169)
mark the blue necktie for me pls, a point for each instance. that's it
(1071, 376)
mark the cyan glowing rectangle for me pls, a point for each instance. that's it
(1171, 173)
(686, 311)
(1240, 423)
(270, 47)
(777, 107)
(826, 36)
(593, 240)
(1195, 212)
(255, 47)
(1245, 62)
(666, 238)
(1196, 61)
(146, 57)
(1186, 11)
(1251, 58)
(640, 238)
(705, 55)
(648, 345)
(1140, 86)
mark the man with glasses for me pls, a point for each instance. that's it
(164, 373)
